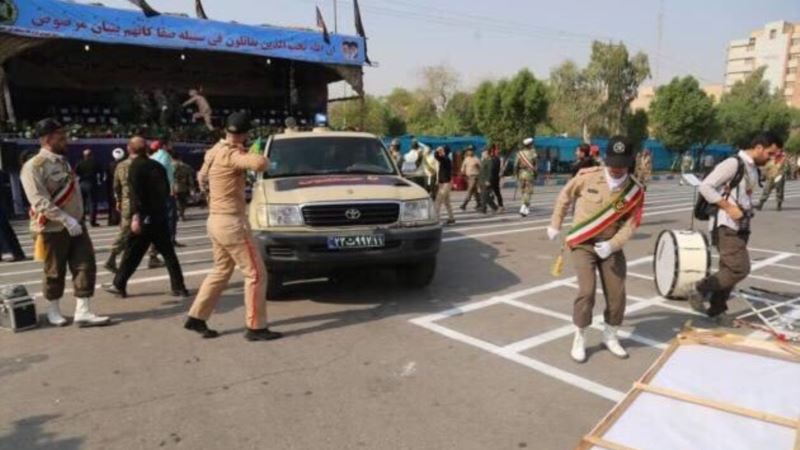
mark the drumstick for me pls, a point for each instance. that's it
(558, 265)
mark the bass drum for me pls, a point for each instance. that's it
(682, 258)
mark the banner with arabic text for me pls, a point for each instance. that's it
(58, 19)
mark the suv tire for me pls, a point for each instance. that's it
(274, 285)
(418, 275)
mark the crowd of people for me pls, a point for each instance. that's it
(148, 200)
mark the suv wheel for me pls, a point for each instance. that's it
(418, 275)
(274, 285)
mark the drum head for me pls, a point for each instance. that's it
(665, 263)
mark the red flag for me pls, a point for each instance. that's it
(146, 9)
(321, 25)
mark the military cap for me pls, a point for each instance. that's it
(619, 152)
(238, 123)
(527, 142)
(47, 126)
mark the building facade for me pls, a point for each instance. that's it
(776, 46)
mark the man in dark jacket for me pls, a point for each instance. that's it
(87, 177)
(149, 190)
(445, 177)
(485, 183)
(497, 167)
(583, 159)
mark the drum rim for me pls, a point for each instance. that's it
(676, 270)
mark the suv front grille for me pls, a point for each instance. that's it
(351, 214)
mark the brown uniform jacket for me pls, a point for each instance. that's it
(590, 192)
(223, 172)
(43, 177)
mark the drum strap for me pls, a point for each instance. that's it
(629, 200)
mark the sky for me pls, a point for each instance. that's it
(489, 39)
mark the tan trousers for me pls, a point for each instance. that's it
(443, 198)
(612, 278)
(472, 191)
(233, 246)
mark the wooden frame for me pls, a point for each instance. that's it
(595, 438)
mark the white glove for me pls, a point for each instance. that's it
(74, 227)
(552, 233)
(603, 249)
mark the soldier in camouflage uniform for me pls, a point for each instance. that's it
(776, 171)
(526, 171)
(644, 167)
(184, 182)
(121, 189)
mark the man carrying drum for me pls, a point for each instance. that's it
(730, 187)
(608, 207)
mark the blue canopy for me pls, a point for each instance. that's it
(62, 20)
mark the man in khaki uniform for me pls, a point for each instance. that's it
(526, 170)
(57, 219)
(644, 167)
(608, 203)
(776, 171)
(224, 169)
(471, 168)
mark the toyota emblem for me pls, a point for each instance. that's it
(352, 214)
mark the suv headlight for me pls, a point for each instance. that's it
(281, 215)
(416, 211)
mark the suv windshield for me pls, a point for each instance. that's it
(328, 155)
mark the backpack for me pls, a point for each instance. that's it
(703, 210)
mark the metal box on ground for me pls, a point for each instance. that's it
(17, 309)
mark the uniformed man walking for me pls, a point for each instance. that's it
(57, 219)
(776, 171)
(644, 167)
(121, 189)
(608, 205)
(223, 175)
(526, 170)
(184, 182)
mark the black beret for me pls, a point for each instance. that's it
(619, 152)
(238, 123)
(47, 126)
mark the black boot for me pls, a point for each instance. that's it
(180, 293)
(200, 327)
(116, 291)
(262, 335)
(111, 264)
(780, 206)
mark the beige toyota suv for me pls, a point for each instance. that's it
(332, 202)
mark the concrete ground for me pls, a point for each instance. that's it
(478, 360)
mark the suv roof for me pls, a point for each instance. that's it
(321, 134)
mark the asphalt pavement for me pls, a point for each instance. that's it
(478, 360)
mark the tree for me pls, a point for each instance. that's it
(439, 84)
(378, 118)
(683, 114)
(508, 111)
(750, 108)
(574, 100)
(637, 127)
(792, 145)
(459, 117)
(618, 76)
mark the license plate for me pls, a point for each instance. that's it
(356, 242)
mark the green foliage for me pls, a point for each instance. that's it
(636, 127)
(377, 117)
(793, 144)
(750, 108)
(508, 111)
(575, 100)
(619, 76)
(683, 115)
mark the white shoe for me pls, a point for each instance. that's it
(524, 211)
(578, 352)
(54, 314)
(85, 318)
(611, 342)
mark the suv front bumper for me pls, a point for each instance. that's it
(307, 253)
